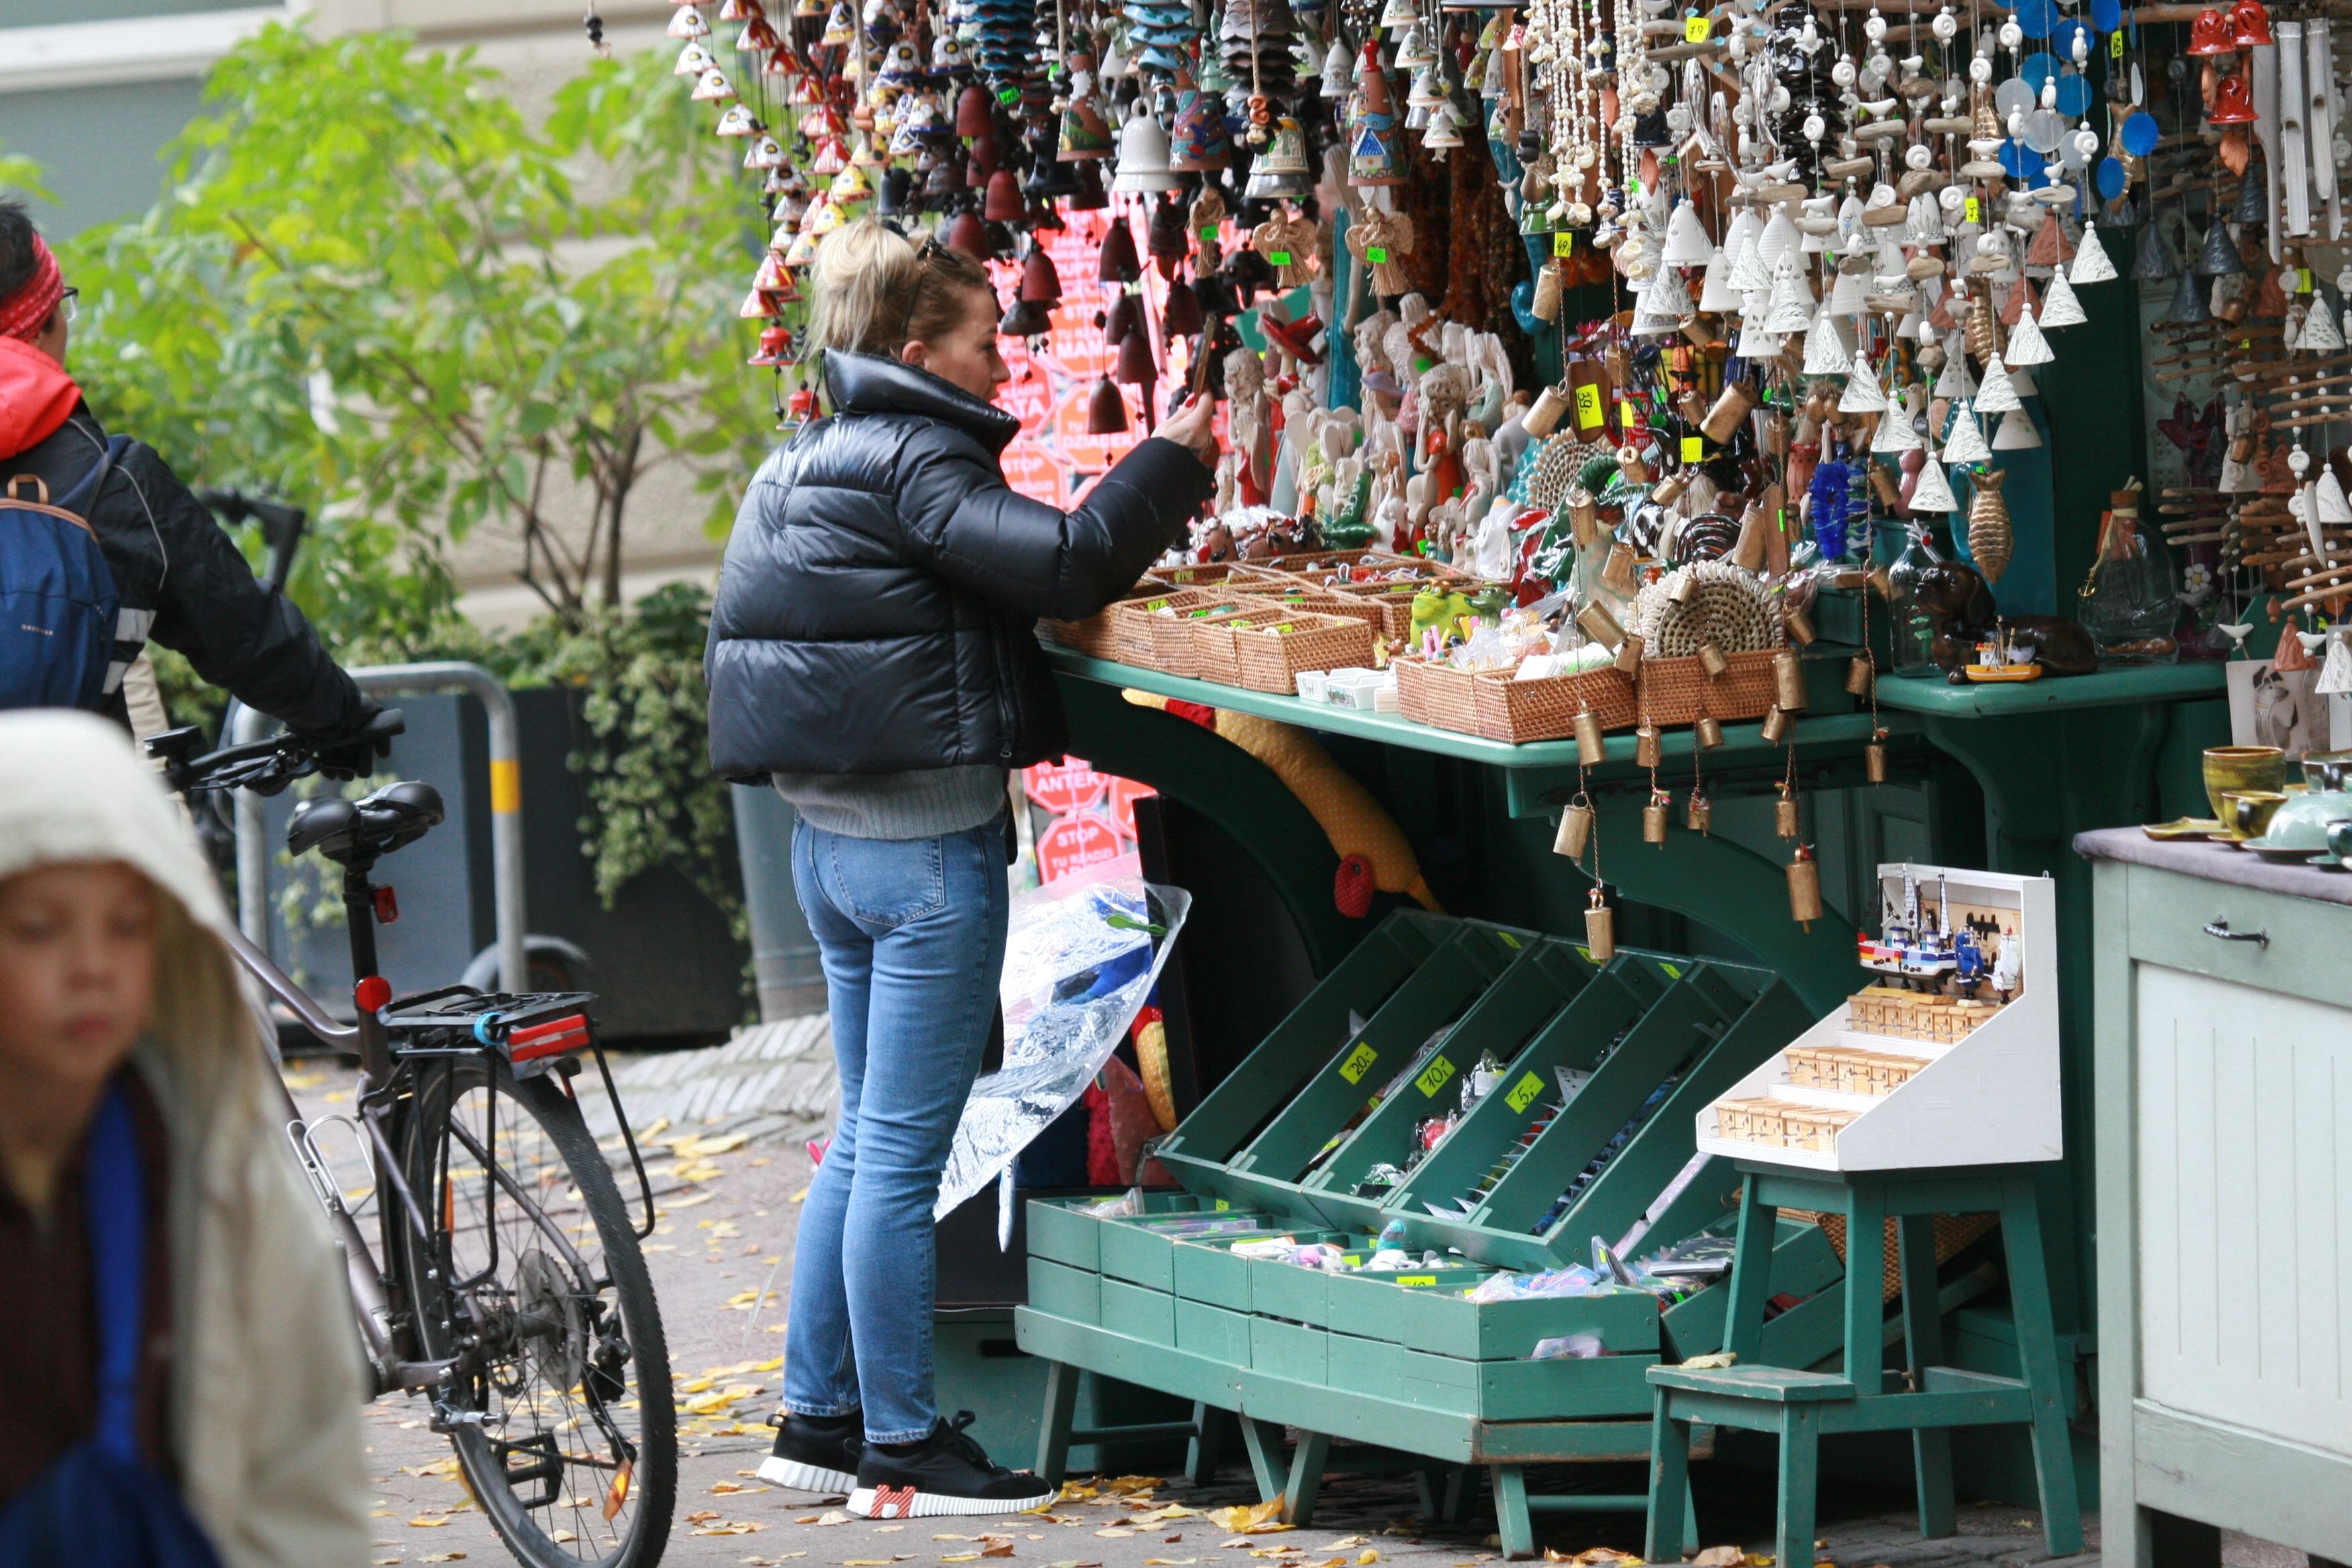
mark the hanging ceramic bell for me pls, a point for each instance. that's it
(1198, 142)
(1136, 365)
(1994, 393)
(1965, 442)
(1118, 262)
(1025, 319)
(1804, 886)
(2092, 264)
(1181, 317)
(1106, 410)
(1124, 318)
(1599, 929)
(2016, 432)
(1279, 170)
(1992, 542)
(2154, 262)
(1654, 817)
(1143, 158)
(2218, 256)
(1932, 495)
(2189, 304)
(2060, 307)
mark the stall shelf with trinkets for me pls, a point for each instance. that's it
(1414, 1217)
(1994, 774)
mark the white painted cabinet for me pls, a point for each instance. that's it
(2225, 1172)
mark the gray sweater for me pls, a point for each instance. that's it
(921, 804)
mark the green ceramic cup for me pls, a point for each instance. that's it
(2231, 768)
(2250, 810)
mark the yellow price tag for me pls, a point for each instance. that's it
(1563, 243)
(1588, 415)
(1223, 1205)
(1624, 413)
(1672, 972)
(2115, 45)
(1359, 1062)
(1694, 448)
(1433, 1077)
(1523, 1093)
(1695, 29)
(1971, 212)
(2303, 279)
(1507, 940)
(1416, 1278)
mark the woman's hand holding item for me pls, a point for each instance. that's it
(1193, 427)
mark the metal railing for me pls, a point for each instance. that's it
(506, 805)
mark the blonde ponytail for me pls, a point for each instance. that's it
(876, 292)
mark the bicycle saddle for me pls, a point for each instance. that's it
(343, 831)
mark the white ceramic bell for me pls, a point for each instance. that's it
(1791, 310)
(2027, 346)
(1965, 442)
(1932, 495)
(2060, 307)
(2016, 432)
(2091, 263)
(1862, 393)
(1994, 393)
(1825, 351)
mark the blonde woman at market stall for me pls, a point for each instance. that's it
(873, 654)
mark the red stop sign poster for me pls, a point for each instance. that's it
(1062, 787)
(1124, 793)
(1072, 843)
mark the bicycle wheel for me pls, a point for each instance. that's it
(533, 1283)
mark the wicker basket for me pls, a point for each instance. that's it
(1268, 657)
(1495, 706)
(1329, 564)
(1390, 601)
(1137, 624)
(1097, 635)
(1213, 658)
(1676, 691)
(1953, 1232)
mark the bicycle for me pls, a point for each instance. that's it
(509, 1287)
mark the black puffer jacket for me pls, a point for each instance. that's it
(877, 608)
(183, 585)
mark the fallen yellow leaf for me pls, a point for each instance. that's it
(425, 1521)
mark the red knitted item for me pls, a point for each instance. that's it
(1199, 713)
(1102, 1144)
(1352, 888)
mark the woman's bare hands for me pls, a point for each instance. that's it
(1193, 427)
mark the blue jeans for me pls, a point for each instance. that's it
(911, 933)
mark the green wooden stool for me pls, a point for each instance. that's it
(1929, 1398)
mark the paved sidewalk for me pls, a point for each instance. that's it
(725, 1237)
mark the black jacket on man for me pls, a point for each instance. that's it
(877, 608)
(183, 584)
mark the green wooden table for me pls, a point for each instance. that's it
(2027, 766)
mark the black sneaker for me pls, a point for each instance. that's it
(815, 1453)
(944, 1475)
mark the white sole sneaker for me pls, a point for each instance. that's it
(906, 1503)
(805, 1477)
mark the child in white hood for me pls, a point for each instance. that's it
(118, 996)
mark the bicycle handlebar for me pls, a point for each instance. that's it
(264, 766)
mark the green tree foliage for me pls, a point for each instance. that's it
(374, 287)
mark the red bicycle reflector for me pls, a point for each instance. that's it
(371, 992)
(569, 1033)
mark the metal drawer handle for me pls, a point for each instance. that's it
(2222, 928)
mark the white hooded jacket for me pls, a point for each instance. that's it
(265, 1376)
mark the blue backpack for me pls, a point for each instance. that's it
(59, 603)
(99, 1505)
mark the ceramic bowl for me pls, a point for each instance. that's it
(2330, 771)
(2241, 768)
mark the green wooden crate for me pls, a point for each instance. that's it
(1208, 1270)
(1070, 1230)
(1295, 1351)
(1072, 1293)
(1212, 1331)
(1138, 1313)
(1142, 1249)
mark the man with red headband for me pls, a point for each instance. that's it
(181, 580)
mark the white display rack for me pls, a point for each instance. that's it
(1990, 1097)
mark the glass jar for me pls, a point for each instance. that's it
(1914, 628)
(2130, 604)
